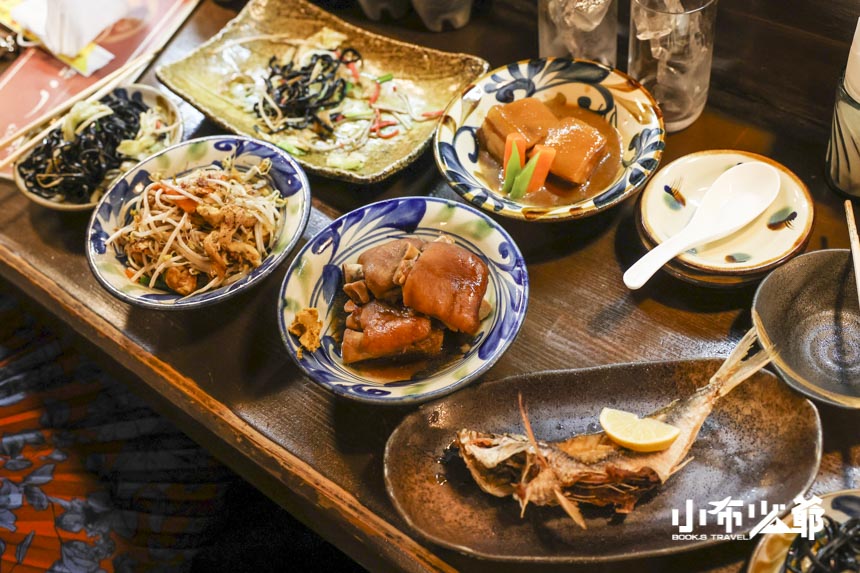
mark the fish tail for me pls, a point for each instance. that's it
(740, 365)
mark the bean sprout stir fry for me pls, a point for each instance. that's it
(321, 99)
(201, 231)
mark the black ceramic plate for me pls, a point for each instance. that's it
(761, 442)
(808, 311)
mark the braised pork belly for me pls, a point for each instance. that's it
(382, 330)
(448, 283)
(529, 117)
(579, 148)
(405, 295)
(581, 151)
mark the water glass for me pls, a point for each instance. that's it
(671, 46)
(586, 29)
(843, 150)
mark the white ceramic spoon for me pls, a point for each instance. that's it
(737, 197)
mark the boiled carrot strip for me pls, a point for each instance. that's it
(543, 156)
(187, 205)
(511, 141)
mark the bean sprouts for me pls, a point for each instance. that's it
(320, 98)
(200, 231)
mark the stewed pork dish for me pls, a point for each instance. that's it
(411, 306)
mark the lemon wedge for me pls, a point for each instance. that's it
(635, 433)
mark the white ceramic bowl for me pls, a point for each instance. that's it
(315, 279)
(150, 96)
(622, 101)
(108, 262)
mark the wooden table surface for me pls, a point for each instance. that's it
(224, 376)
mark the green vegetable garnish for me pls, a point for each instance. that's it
(512, 170)
(521, 183)
(290, 148)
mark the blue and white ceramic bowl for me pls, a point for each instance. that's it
(772, 550)
(620, 99)
(315, 279)
(108, 263)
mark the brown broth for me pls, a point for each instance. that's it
(557, 191)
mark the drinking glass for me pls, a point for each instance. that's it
(585, 29)
(843, 150)
(671, 46)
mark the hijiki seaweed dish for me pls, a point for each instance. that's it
(96, 142)
(322, 98)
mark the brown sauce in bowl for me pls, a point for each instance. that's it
(557, 191)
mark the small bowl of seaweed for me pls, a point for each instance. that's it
(94, 144)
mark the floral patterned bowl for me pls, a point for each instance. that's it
(621, 100)
(108, 263)
(772, 550)
(781, 232)
(314, 279)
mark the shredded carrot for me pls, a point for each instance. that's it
(515, 139)
(437, 113)
(375, 95)
(379, 125)
(187, 205)
(544, 156)
(388, 135)
(354, 69)
(129, 273)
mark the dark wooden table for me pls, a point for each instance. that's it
(223, 375)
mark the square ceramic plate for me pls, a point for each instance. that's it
(432, 78)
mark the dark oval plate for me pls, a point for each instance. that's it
(762, 442)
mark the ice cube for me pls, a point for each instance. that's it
(584, 15)
(651, 25)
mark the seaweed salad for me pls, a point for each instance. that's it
(76, 161)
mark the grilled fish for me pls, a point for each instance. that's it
(591, 468)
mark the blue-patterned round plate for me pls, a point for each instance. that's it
(108, 263)
(620, 99)
(772, 549)
(148, 95)
(315, 278)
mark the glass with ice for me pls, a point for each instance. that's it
(671, 46)
(585, 29)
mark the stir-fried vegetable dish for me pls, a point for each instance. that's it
(76, 162)
(200, 231)
(322, 97)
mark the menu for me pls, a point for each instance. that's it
(37, 81)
